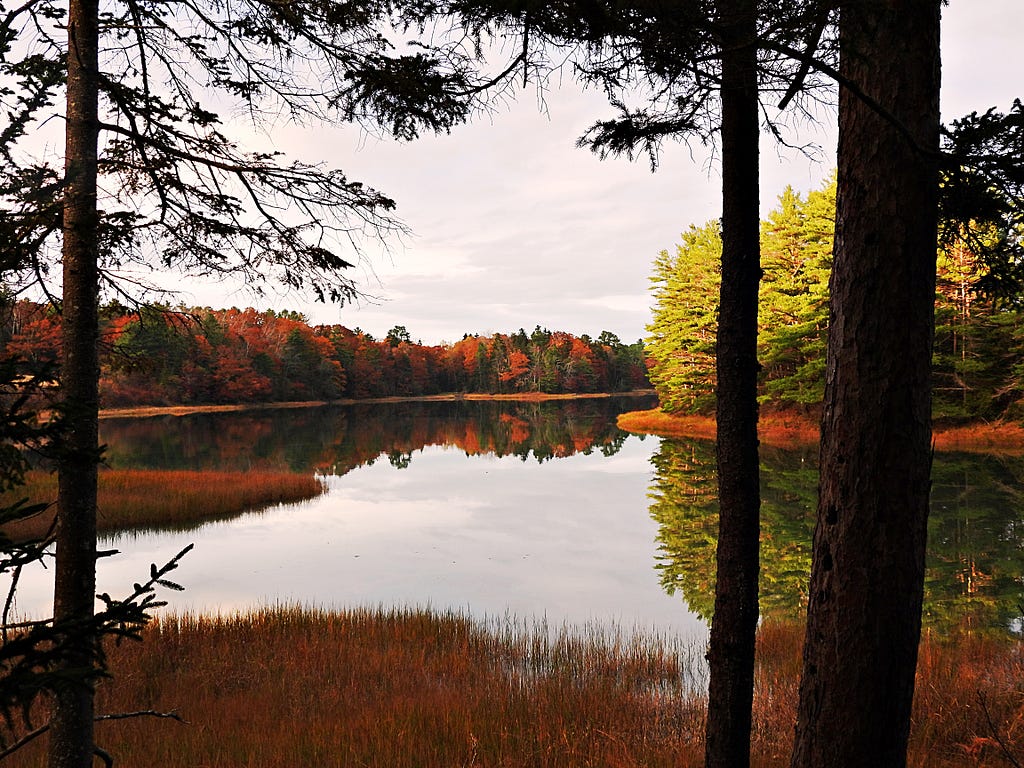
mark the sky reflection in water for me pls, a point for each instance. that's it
(568, 540)
(515, 509)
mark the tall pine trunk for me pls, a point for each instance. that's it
(71, 727)
(864, 613)
(734, 624)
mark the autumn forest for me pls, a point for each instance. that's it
(160, 356)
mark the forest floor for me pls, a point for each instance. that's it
(787, 429)
(185, 410)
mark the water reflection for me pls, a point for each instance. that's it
(462, 504)
(333, 440)
(447, 505)
(976, 536)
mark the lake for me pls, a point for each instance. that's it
(525, 511)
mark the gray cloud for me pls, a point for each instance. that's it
(513, 226)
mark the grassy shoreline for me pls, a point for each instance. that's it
(402, 688)
(132, 499)
(784, 430)
(143, 411)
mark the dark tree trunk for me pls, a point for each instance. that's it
(71, 727)
(733, 627)
(864, 614)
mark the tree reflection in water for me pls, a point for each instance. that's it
(337, 439)
(976, 556)
(976, 533)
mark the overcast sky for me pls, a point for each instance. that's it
(514, 227)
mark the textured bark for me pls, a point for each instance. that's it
(864, 614)
(733, 627)
(71, 727)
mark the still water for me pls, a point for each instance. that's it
(538, 511)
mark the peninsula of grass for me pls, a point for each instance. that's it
(780, 429)
(411, 689)
(157, 498)
(788, 430)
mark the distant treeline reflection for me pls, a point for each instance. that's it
(976, 533)
(337, 439)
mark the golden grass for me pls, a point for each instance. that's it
(778, 429)
(395, 689)
(969, 697)
(398, 689)
(788, 430)
(657, 422)
(996, 437)
(152, 498)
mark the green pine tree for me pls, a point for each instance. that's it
(682, 331)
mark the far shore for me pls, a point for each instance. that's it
(780, 429)
(185, 410)
(787, 430)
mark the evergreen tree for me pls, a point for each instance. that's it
(685, 324)
(796, 252)
(978, 350)
(867, 572)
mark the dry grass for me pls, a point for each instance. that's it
(398, 689)
(777, 429)
(776, 688)
(969, 698)
(152, 498)
(395, 689)
(657, 422)
(997, 437)
(787, 430)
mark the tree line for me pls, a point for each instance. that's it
(154, 355)
(978, 353)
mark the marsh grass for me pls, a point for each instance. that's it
(998, 437)
(414, 689)
(783, 430)
(155, 498)
(382, 688)
(969, 697)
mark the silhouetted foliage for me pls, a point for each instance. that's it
(35, 651)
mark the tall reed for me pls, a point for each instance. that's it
(404, 689)
(157, 498)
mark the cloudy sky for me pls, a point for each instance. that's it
(512, 226)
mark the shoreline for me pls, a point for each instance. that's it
(777, 429)
(144, 411)
(787, 430)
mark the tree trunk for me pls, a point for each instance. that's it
(867, 576)
(733, 627)
(71, 727)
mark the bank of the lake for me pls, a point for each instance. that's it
(386, 688)
(451, 397)
(792, 430)
(155, 499)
